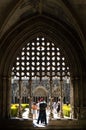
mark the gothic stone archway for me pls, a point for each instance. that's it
(14, 43)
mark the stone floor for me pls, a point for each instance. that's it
(55, 117)
(56, 123)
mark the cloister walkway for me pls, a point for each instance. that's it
(55, 117)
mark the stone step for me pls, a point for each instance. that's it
(16, 124)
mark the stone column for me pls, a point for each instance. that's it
(83, 97)
(76, 97)
(1, 96)
(71, 99)
(61, 102)
(30, 99)
(20, 99)
(4, 96)
(8, 98)
(51, 98)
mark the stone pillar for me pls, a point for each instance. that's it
(20, 99)
(76, 95)
(4, 96)
(71, 99)
(51, 98)
(1, 96)
(8, 98)
(83, 97)
(61, 102)
(30, 99)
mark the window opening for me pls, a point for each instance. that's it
(40, 61)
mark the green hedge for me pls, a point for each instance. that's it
(14, 110)
(15, 107)
(66, 110)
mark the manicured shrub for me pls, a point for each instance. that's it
(66, 110)
(24, 106)
(14, 110)
(15, 107)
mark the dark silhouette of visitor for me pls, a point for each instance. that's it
(58, 106)
(42, 112)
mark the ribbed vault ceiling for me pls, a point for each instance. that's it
(59, 19)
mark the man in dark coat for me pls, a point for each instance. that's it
(42, 112)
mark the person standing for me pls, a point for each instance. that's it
(42, 112)
(58, 107)
(34, 108)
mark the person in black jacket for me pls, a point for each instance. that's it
(58, 107)
(42, 112)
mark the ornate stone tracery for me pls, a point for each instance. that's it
(40, 58)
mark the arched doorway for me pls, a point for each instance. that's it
(40, 58)
(39, 92)
(53, 39)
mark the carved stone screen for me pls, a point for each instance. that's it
(40, 58)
